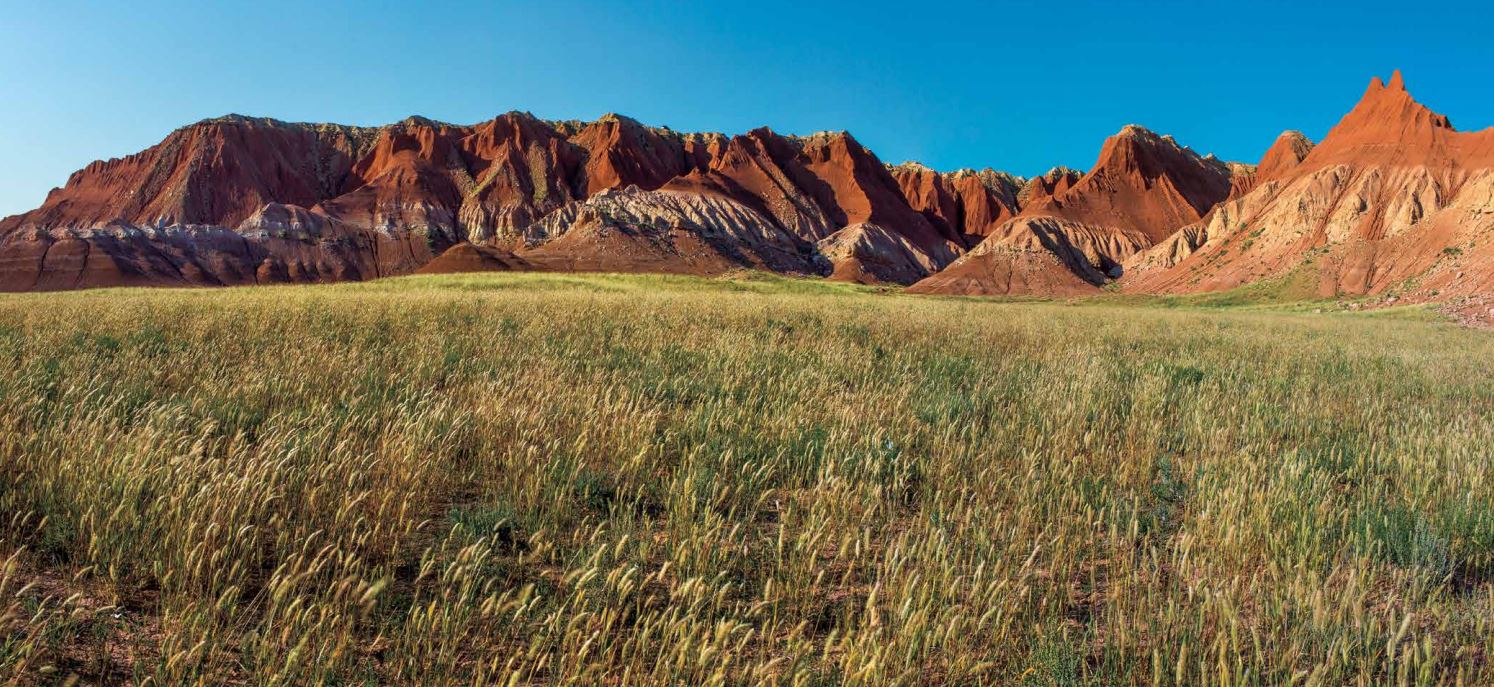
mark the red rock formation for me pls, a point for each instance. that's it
(1392, 199)
(621, 153)
(1143, 183)
(1031, 256)
(241, 200)
(522, 169)
(667, 230)
(216, 172)
(471, 257)
(1289, 150)
(1242, 178)
(1142, 189)
(965, 205)
(1055, 182)
(861, 191)
(1388, 127)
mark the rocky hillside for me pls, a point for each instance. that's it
(240, 200)
(1394, 201)
(1073, 234)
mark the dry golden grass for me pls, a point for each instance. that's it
(547, 480)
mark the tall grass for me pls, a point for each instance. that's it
(542, 480)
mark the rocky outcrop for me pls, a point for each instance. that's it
(1142, 189)
(1142, 183)
(219, 172)
(871, 254)
(632, 230)
(471, 257)
(996, 268)
(1055, 182)
(1393, 199)
(239, 200)
(1242, 178)
(966, 205)
(1289, 150)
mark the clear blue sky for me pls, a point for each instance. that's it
(1017, 86)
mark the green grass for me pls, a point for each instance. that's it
(1294, 292)
(646, 480)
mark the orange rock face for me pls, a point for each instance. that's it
(241, 200)
(471, 257)
(1142, 183)
(964, 206)
(1289, 150)
(1055, 182)
(1393, 201)
(1142, 189)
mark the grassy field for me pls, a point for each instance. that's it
(605, 480)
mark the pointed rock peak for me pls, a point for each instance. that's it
(417, 120)
(520, 121)
(827, 136)
(1057, 180)
(615, 118)
(1136, 131)
(1397, 82)
(1395, 93)
(1137, 136)
(834, 141)
(1386, 114)
(520, 114)
(1377, 86)
(1289, 150)
(1122, 189)
(1292, 142)
(1137, 142)
(912, 167)
(1294, 139)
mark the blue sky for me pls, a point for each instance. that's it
(1019, 86)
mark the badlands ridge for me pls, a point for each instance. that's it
(1394, 200)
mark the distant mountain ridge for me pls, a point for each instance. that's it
(239, 200)
(1393, 199)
